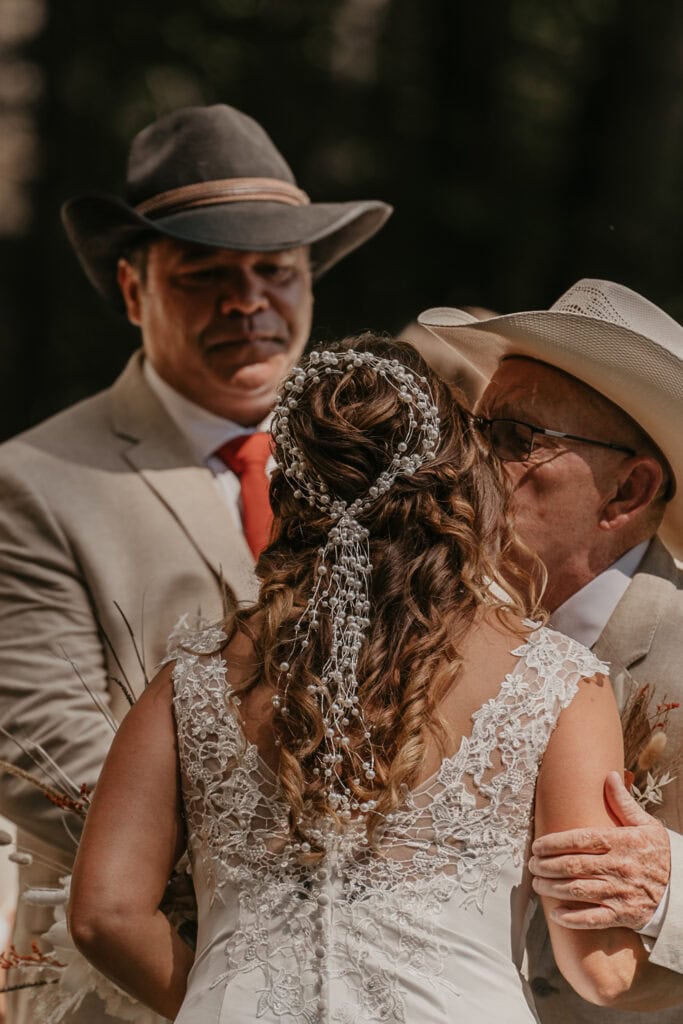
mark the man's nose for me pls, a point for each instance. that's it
(242, 294)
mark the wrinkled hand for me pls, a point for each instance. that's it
(605, 878)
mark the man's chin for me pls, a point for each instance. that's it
(248, 396)
(248, 366)
(256, 378)
(249, 391)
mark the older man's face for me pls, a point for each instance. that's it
(561, 490)
(222, 327)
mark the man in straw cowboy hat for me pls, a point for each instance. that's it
(584, 404)
(153, 494)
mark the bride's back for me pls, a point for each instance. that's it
(431, 910)
(486, 658)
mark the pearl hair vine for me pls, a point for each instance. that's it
(341, 586)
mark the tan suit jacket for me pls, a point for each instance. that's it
(103, 503)
(643, 641)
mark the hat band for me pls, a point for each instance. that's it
(227, 190)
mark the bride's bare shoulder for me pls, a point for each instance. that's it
(496, 628)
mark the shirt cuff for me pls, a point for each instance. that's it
(653, 927)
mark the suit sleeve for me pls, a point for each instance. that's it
(46, 618)
(667, 951)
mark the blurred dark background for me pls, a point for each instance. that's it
(524, 145)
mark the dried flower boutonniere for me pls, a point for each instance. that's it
(645, 721)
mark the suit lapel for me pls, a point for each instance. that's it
(628, 635)
(160, 454)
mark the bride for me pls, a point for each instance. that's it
(358, 763)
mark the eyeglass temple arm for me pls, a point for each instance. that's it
(575, 437)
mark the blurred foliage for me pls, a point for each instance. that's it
(523, 145)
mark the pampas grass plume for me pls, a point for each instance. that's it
(652, 751)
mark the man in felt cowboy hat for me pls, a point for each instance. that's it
(153, 494)
(584, 404)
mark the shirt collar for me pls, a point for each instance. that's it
(204, 430)
(585, 614)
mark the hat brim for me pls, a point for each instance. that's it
(101, 227)
(642, 377)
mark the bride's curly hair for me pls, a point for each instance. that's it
(438, 541)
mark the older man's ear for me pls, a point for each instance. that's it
(631, 501)
(129, 282)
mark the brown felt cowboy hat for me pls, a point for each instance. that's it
(211, 175)
(607, 336)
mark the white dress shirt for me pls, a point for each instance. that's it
(583, 616)
(205, 432)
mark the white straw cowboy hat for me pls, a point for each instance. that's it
(607, 336)
(211, 175)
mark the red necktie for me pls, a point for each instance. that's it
(247, 456)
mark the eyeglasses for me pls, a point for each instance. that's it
(513, 440)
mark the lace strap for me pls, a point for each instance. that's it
(555, 664)
(205, 725)
(193, 634)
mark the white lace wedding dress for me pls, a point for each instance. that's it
(426, 929)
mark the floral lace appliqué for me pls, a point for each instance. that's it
(364, 919)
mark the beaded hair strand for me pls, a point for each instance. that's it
(342, 584)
